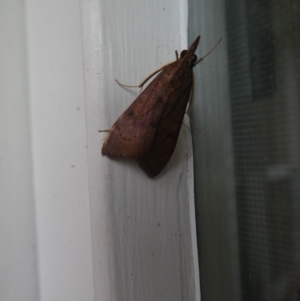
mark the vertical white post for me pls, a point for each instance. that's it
(18, 256)
(103, 230)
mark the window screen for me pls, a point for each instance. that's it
(264, 66)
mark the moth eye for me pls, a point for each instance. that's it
(194, 59)
(183, 53)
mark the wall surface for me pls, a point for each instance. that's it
(77, 225)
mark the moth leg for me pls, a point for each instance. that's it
(126, 86)
(101, 131)
(186, 127)
(189, 110)
(194, 126)
(146, 79)
(191, 100)
(152, 74)
(208, 53)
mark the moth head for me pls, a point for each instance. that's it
(194, 57)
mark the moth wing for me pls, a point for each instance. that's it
(167, 133)
(132, 134)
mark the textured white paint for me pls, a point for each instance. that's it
(18, 269)
(59, 150)
(143, 241)
(104, 231)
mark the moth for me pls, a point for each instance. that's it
(148, 130)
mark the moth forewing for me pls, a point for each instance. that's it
(167, 132)
(148, 130)
(132, 134)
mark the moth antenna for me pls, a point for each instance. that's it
(208, 53)
(176, 54)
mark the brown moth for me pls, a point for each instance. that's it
(148, 130)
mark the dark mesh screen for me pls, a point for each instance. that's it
(264, 63)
